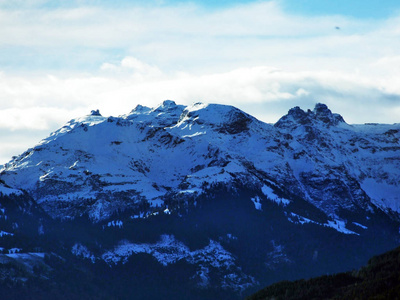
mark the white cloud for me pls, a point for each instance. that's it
(34, 118)
(42, 104)
(38, 101)
(192, 39)
(170, 35)
(133, 68)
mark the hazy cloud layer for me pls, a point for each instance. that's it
(59, 63)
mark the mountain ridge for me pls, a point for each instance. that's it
(306, 137)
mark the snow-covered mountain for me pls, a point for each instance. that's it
(94, 162)
(205, 166)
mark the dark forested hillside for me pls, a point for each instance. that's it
(379, 279)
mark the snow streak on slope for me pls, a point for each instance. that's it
(338, 225)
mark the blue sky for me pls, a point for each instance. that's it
(61, 59)
(353, 8)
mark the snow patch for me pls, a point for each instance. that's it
(267, 191)
(117, 223)
(141, 215)
(191, 191)
(230, 236)
(9, 191)
(3, 233)
(300, 219)
(194, 134)
(383, 195)
(82, 251)
(257, 202)
(14, 250)
(360, 225)
(340, 226)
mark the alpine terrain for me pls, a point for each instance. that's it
(196, 202)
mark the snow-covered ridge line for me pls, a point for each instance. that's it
(169, 251)
(98, 165)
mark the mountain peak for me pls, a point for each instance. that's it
(320, 113)
(321, 108)
(140, 109)
(166, 105)
(297, 113)
(95, 112)
(324, 114)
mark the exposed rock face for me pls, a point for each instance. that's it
(296, 116)
(323, 113)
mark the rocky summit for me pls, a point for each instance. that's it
(198, 201)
